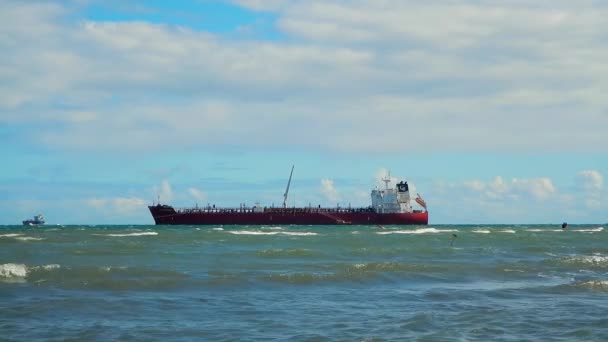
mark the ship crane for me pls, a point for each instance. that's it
(287, 190)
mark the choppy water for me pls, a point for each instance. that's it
(349, 283)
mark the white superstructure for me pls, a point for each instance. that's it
(394, 200)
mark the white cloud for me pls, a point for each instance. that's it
(164, 192)
(128, 205)
(197, 194)
(591, 180)
(97, 203)
(355, 73)
(329, 191)
(540, 189)
(262, 5)
(118, 206)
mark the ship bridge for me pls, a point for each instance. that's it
(392, 199)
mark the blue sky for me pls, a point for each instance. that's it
(496, 112)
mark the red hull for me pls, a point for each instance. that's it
(301, 216)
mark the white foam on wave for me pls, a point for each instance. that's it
(481, 231)
(513, 270)
(588, 230)
(10, 235)
(28, 238)
(507, 231)
(110, 268)
(11, 270)
(419, 231)
(273, 228)
(598, 229)
(47, 267)
(603, 284)
(218, 229)
(595, 259)
(253, 232)
(129, 234)
(299, 233)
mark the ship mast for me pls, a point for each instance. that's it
(287, 190)
(387, 180)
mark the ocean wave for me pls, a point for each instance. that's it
(102, 277)
(594, 260)
(598, 229)
(384, 267)
(507, 231)
(255, 232)
(11, 271)
(47, 267)
(20, 237)
(360, 271)
(217, 229)
(28, 238)
(300, 278)
(601, 285)
(282, 253)
(481, 231)
(583, 230)
(299, 233)
(10, 235)
(513, 270)
(17, 273)
(418, 231)
(129, 234)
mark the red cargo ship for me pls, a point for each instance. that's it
(390, 206)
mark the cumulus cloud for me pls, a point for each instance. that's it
(329, 190)
(197, 194)
(164, 192)
(591, 185)
(499, 189)
(469, 70)
(118, 206)
(591, 180)
(538, 188)
(97, 203)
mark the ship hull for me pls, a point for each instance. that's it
(32, 223)
(166, 215)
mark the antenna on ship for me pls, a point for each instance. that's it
(287, 190)
(387, 180)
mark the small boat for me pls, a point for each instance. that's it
(36, 221)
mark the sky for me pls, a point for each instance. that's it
(495, 110)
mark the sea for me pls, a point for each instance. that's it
(304, 283)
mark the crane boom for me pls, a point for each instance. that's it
(287, 190)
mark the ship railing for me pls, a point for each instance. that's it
(214, 210)
(307, 210)
(301, 210)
